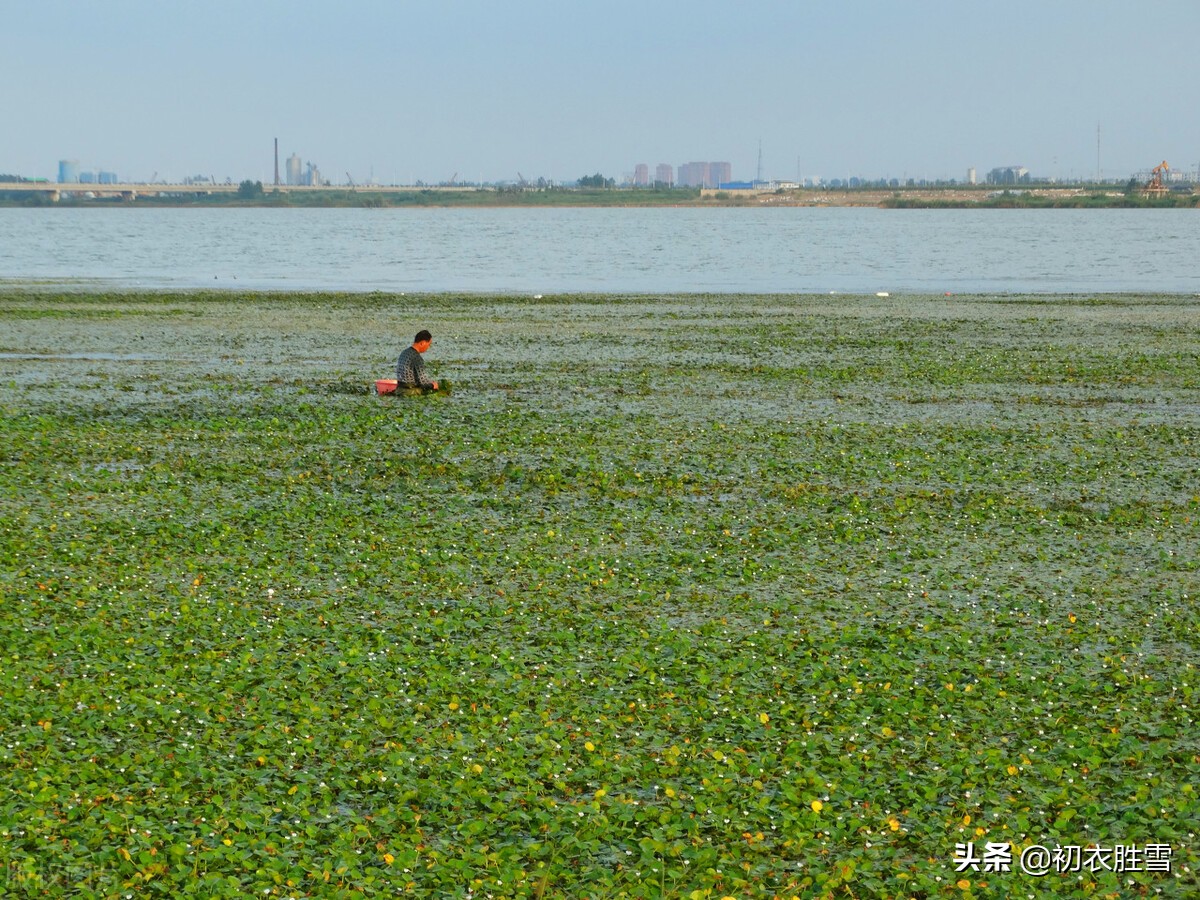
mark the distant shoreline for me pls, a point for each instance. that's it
(989, 197)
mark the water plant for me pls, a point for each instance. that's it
(681, 596)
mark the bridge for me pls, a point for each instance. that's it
(132, 190)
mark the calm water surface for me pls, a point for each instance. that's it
(608, 250)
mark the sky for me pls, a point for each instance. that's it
(406, 90)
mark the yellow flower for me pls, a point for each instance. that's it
(388, 858)
(589, 747)
(817, 806)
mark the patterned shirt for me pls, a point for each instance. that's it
(410, 369)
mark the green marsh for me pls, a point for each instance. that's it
(678, 596)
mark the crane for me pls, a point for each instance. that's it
(1155, 187)
(350, 181)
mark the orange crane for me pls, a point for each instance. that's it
(1155, 186)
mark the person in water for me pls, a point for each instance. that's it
(410, 367)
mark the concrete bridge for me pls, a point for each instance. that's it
(132, 190)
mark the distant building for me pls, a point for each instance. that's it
(312, 175)
(107, 178)
(641, 175)
(971, 176)
(295, 170)
(1009, 175)
(664, 174)
(704, 174)
(87, 178)
(694, 174)
(68, 171)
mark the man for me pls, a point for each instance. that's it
(410, 367)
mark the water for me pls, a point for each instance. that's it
(539, 250)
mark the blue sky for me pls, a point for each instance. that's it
(423, 90)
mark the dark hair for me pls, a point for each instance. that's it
(422, 335)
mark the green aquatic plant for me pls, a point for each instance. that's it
(882, 579)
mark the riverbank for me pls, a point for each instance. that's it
(1032, 197)
(748, 595)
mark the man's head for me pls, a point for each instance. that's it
(422, 341)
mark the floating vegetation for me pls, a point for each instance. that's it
(678, 596)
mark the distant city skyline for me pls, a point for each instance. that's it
(296, 171)
(479, 92)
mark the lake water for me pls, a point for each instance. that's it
(539, 250)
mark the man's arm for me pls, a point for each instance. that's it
(422, 378)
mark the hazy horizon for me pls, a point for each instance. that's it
(421, 91)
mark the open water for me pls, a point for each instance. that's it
(627, 250)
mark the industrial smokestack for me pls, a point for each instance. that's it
(276, 162)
